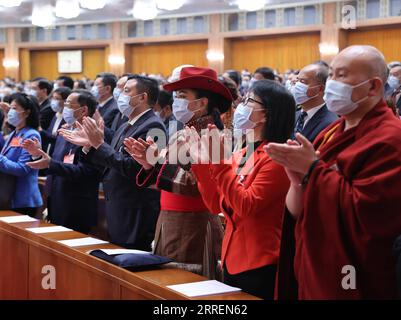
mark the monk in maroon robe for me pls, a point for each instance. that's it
(345, 194)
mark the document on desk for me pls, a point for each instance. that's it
(88, 241)
(48, 229)
(203, 288)
(16, 219)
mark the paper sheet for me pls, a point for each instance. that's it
(48, 229)
(16, 219)
(82, 242)
(111, 252)
(203, 288)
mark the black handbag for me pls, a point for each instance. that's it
(8, 184)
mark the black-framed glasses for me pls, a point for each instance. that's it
(247, 99)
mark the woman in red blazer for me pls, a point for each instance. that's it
(251, 190)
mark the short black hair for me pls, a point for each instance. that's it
(322, 73)
(85, 98)
(266, 72)
(108, 79)
(43, 83)
(64, 92)
(165, 99)
(81, 84)
(148, 85)
(67, 81)
(280, 107)
(28, 103)
(235, 76)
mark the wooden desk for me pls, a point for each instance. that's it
(78, 274)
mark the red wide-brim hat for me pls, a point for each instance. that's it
(199, 78)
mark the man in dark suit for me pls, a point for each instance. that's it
(102, 90)
(41, 89)
(119, 118)
(308, 92)
(49, 136)
(131, 211)
(72, 185)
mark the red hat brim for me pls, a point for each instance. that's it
(202, 83)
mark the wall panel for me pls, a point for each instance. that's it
(164, 57)
(277, 52)
(2, 71)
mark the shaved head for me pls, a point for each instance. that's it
(366, 60)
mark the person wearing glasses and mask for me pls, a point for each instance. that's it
(186, 231)
(249, 189)
(23, 115)
(345, 191)
(72, 184)
(308, 93)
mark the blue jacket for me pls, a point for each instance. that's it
(1, 141)
(13, 161)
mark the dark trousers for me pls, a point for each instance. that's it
(28, 211)
(259, 282)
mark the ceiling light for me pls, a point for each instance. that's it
(249, 5)
(169, 4)
(10, 3)
(67, 9)
(42, 15)
(145, 9)
(92, 4)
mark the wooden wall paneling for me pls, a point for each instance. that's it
(164, 57)
(2, 70)
(387, 40)
(278, 52)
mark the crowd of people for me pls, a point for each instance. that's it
(304, 166)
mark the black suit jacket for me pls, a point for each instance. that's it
(108, 112)
(47, 137)
(118, 121)
(320, 120)
(131, 211)
(46, 114)
(73, 189)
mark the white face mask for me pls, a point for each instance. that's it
(241, 117)
(68, 116)
(393, 82)
(124, 106)
(181, 111)
(116, 93)
(55, 105)
(337, 96)
(299, 91)
(95, 92)
(288, 85)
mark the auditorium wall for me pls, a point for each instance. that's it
(386, 39)
(2, 71)
(280, 52)
(164, 57)
(35, 63)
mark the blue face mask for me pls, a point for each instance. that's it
(300, 92)
(55, 105)
(33, 93)
(181, 111)
(393, 82)
(116, 93)
(124, 106)
(68, 116)
(14, 118)
(95, 92)
(241, 117)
